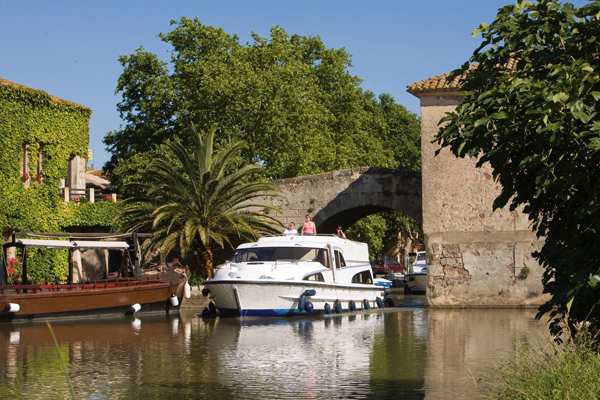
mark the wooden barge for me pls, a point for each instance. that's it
(128, 292)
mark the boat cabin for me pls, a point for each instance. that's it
(125, 249)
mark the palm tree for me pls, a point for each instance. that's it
(198, 202)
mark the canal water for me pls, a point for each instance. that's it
(405, 352)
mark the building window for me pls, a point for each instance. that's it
(39, 176)
(24, 166)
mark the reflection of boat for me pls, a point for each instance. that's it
(289, 275)
(128, 294)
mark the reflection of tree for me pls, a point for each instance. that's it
(399, 356)
(153, 357)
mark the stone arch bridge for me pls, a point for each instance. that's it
(343, 197)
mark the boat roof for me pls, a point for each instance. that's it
(352, 250)
(77, 244)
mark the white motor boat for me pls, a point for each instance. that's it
(290, 275)
(420, 263)
(416, 279)
(417, 282)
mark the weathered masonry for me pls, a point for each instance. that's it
(343, 197)
(475, 257)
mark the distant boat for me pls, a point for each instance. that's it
(416, 279)
(293, 275)
(416, 282)
(128, 293)
(419, 264)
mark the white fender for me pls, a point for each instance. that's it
(136, 307)
(187, 291)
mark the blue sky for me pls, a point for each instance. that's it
(70, 48)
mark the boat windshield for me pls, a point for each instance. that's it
(420, 257)
(262, 254)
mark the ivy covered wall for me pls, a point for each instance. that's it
(59, 130)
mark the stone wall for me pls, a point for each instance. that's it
(343, 197)
(475, 256)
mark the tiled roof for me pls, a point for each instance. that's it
(98, 172)
(439, 83)
(6, 82)
(97, 180)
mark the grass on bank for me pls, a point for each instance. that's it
(570, 370)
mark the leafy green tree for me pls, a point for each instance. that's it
(370, 230)
(289, 97)
(385, 231)
(197, 202)
(532, 112)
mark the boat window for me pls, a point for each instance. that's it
(363, 277)
(420, 257)
(263, 254)
(315, 277)
(339, 259)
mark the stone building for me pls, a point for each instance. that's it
(475, 256)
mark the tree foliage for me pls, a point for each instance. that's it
(197, 202)
(289, 97)
(385, 231)
(532, 113)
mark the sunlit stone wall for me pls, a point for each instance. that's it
(475, 256)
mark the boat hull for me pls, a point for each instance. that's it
(417, 282)
(274, 299)
(44, 301)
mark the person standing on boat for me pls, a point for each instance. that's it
(291, 231)
(309, 228)
(339, 233)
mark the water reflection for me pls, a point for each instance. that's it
(409, 353)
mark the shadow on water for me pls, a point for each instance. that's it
(404, 352)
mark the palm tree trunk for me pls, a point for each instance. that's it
(203, 258)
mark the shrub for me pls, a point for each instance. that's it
(570, 370)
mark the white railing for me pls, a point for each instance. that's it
(93, 195)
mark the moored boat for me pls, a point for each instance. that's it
(291, 275)
(416, 278)
(416, 282)
(127, 293)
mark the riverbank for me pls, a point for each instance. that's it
(196, 299)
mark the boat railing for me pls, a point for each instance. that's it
(53, 286)
(318, 234)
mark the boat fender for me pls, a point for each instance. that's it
(135, 308)
(337, 306)
(205, 291)
(174, 300)
(352, 306)
(187, 291)
(380, 303)
(366, 304)
(205, 312)
(308, 307)
(12, 307)
(212, 308)
(301, 302)
(328, 309)
(310, 292)
(389, 302)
